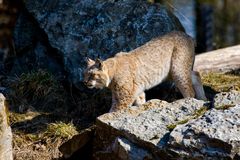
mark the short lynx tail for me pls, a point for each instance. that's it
(197, 86)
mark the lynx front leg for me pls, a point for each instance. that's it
(120, 102)
(141, 99)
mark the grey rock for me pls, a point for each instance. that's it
(5, 132)
(122, 149)
(76, 29)
(215, 135)
(126, 150)
(78, 143)
(146, 126)
(183, 129)
(226, 99)
(32, 50)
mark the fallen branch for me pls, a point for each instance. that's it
(221, 60)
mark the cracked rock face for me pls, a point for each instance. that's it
(76, 29)
(146, 126)
(214, 135)
(226, 99)
(184, 129)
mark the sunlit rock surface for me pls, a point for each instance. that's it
(5, 132)
(184, 129)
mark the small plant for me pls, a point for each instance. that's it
(60, 129)
(39, 90)
(223, 107)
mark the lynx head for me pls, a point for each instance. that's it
(96, 74)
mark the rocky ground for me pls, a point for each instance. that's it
(53, 116)
(183, 129)
(42, 132)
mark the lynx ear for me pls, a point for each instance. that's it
(99, 63)
(90, 62)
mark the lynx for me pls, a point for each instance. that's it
(129, 74)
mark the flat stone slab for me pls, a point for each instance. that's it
(184, 129)
(215, 135)
(226, 99)
(147, 125)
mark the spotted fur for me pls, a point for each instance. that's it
(128, 75)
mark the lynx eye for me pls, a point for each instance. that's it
(95, 76)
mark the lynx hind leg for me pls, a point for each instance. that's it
(182, 61)
(184, 84)
(197, 86)
(141, 99)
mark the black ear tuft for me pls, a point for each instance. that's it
(99, 63)
(89, 61)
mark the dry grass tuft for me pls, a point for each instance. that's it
(39, 90)
(221, 82)
(60, 129)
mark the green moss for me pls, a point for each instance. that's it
(172, 126)
(223, 107)
(221, 82)
(197, 113)
(200, 111)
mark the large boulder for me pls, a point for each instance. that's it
(69, 30)
(147, 127)
(184, 129)
(213, 136)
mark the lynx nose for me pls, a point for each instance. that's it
(85, 82)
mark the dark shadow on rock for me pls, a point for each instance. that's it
(165, 91)
(210, 92)
(169, 92)
(33, 51)
(80, 145)
(163, 141)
